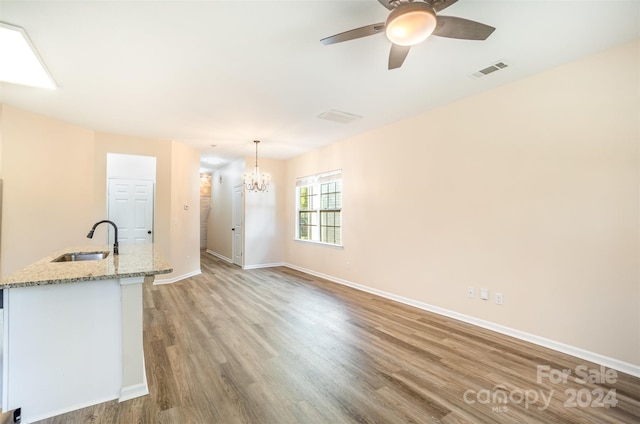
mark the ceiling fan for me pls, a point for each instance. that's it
(411, 22)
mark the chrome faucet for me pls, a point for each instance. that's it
(115, 245)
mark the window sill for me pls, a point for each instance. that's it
(320, 243)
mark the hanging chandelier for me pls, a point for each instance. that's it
(254, 181)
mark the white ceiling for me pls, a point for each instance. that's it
(228, 72)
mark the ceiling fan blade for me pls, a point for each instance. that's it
(354, 33)
(387, 3)
(439, 5)
(452, 27)
(397, 55)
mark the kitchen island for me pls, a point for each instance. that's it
(73, 330)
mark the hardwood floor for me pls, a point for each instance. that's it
(278, 346)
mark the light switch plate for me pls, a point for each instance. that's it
(484, 294)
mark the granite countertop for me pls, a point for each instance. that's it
(133, 261)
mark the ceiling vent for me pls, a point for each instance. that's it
(498, 66)
(338, 116)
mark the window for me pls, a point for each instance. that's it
(319, 208)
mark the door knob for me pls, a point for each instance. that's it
(233, 229)
(149, 232)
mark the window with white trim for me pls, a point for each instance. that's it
(319, 208)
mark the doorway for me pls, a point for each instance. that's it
(238, 236)
(130, 197)
(131, 208)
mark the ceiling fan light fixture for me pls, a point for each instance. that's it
(410, 24)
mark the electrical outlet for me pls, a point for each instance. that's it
(471, 292)
(499, 298)
(484, 294)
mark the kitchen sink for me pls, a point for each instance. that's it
(81, 256)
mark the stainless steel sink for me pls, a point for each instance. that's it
(81, 256)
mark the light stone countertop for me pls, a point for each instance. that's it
(133, 261)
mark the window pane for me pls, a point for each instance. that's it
(306, 196)
(306, 222)
(330, 227)
(303, 193)
(330, 195)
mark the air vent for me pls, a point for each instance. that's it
(338, 116)
(498, 66)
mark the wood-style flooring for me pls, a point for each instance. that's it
(279, 346)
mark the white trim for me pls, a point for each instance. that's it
(134, 391)
(131, 280)
(321, 243)
(219, 256)
(597, 358)
(26, 419)
(178, 278)
(323, 177)
(5, 351)
(256, 266)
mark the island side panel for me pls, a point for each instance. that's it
(5, 336)
(63, 347)
(134, 379)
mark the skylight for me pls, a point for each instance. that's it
(19, 61)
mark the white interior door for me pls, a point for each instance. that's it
(237, 226)
(131, 209)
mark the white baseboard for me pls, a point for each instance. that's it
(597, 358)
(134, 391)
(257, 266)
(219, 256)
(178, 278)
(27, 419)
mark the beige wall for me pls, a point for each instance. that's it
(55, 181)
(1, 113)
(185, 209)
(48, 198)
(265, 217)
(531, 189)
